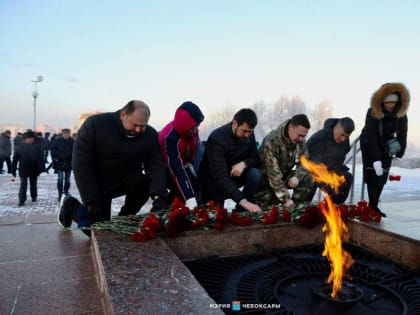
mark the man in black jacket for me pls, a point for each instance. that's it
(115, 154)
(5, 151)
(28, 158)
(61, 152)
(230, 161)
(330, 146)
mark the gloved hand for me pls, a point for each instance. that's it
(160, 203)
(94, 212)
(377, 166)
(191, 203)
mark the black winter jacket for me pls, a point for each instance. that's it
(380, 126)
(322, 147)
(223, 150)
(61, 152)
(5, 146)
(103, 156)
(30, 160)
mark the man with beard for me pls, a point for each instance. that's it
(230, 161)
(280, 154)
(115, 154)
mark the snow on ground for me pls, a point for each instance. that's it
(406, 189)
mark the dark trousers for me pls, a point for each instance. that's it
(135, 187)
(8, 163)
(374, 193)
(249, 180)
(63, 182)
(24, 187)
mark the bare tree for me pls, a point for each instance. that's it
(319, 114)
(263, 113)
(216, 120)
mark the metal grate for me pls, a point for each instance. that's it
(289, 276)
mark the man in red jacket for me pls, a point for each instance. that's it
(179, 141)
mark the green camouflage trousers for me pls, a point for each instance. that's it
(304, 192)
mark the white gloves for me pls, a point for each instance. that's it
(377, 166)
(191, 203)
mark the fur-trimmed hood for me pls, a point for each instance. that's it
(382, 92)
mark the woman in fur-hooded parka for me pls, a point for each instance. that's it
(384, 121)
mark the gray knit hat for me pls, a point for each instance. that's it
(393, 97)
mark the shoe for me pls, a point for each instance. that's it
(383, 214)
(67, 210)
(34, 199)
(21, 204)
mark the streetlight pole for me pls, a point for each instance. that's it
(35, 95)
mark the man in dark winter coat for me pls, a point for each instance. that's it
(17, 141)
(330, 146)
(179, 141)
(28, 157)
(386, 120)
(115, 154)
(47, 146)
(230, 161)
(5, 151)
(61, 152)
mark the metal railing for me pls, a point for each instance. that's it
(354, 149)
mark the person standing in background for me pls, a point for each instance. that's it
(62, 153)
(28, 158)
(5, 151)
(18, 140)
(47, 147)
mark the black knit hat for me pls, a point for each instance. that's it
(194, 111)
(28, 134)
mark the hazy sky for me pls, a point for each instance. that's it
(97, 55)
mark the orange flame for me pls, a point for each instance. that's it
(335, 228)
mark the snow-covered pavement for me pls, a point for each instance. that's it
(408, 188)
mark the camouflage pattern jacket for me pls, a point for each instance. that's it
(279, 161)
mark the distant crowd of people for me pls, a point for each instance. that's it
(31, 150)
(120, 154)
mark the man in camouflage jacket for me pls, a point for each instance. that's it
(279, 154)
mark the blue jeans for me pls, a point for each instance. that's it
(63, 182)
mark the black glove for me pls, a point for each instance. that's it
(94, 212)
(160, 203)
